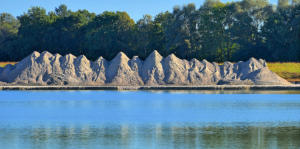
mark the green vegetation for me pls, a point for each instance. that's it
(289, 71)
(216, 31)
(3, 64)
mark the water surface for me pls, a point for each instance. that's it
(139, 119)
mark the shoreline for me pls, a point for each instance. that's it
(202, 87)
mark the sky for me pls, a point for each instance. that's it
(135, 8)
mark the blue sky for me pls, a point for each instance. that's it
(135, 8)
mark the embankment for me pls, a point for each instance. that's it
(203, 87)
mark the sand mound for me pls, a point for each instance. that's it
(99, 68)
(176, 70)
(119, 72)
(152, 70)
(47, 69)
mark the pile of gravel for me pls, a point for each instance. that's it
(47, 69)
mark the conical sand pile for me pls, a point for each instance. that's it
(99, 68)
(152, 70)
(177, 70)
(47, 69)
(119, 72)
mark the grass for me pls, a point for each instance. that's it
(288, 70)
(3, 64)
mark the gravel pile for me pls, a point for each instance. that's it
(48, 69)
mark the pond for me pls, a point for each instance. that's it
(146, 119)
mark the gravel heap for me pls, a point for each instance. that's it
(48, 69)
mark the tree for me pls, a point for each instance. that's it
(280, 34)
(161, 23)
(8, 33)
(283, 3)
(65, 35)
(216, 31)
(212, 28)
(62, 11)
(8, 27)
(250, 5)
(295, 2)
(108, 34)
(144, 36)
(180, 29)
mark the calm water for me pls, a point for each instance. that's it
(158, 120)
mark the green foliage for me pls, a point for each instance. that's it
(108, 34)
(8, 27)
(8, 32)
(283, 3)
(216, 31)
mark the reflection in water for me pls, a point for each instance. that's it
(151, 136)
(242, 91)
(158, 120)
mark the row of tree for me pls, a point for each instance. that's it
(216, 31)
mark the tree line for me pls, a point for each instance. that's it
(216, 31)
